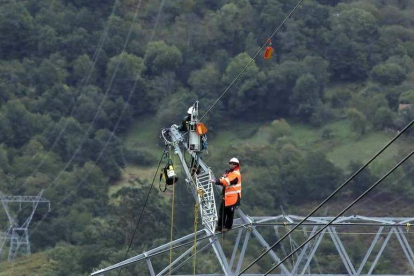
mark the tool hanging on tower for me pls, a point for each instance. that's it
(168, 173)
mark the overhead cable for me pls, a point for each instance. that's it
(342, 212)
(116, 125)
(84, 81)
(143, 208)
(329, 197)
(253, 58)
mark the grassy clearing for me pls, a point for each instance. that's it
(33, 264)
(144, 133)
(144, 175)
(341, 146)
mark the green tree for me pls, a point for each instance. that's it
(106, 150)
(50, 72)
(161, 57)
(361, 182)
(347, 59)
(230, 24)
(67, 258)
(131, 200)
(89, 107)
(206, 81)
(320, 175)
(4, 158)
(16, 27)
(124, 72)
(407, 97)
(358, 121)
(383, 118)
(305, 97)
(246, 91)
(271, 14)
(388, 74)
(279, 128)
(66, 138)
(19, 124)
(357, 24)
(279, 83)
(174, 107)
(84, 71)
(57, 101)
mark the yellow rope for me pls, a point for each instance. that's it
(172, 214)
(195, 237)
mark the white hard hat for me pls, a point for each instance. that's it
(234, 160)
(190, 110)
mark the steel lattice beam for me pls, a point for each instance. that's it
(249, 227)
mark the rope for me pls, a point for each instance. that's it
(330, 196)
(195, 238)
(143, 208)
(341, 213)
(172, 210)
(253, 58)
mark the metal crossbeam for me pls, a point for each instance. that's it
(23, 199)
(253, 230)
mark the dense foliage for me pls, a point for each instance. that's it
(74, 75)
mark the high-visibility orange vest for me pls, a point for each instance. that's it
(231, 182)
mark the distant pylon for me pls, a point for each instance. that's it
(19, 234)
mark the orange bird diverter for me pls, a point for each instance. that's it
(268, 52)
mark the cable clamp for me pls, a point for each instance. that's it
(269, 41)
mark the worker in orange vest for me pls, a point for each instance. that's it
(231, 182)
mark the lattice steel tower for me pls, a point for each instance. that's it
(17, 233)
(258, 233)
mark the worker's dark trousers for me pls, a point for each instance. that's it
(225, 216)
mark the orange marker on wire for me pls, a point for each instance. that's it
(269, 50)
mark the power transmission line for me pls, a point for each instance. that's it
(330, 196)
(253, 58)
(143, 207)
(343, 211)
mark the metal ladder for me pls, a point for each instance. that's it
(206, 199)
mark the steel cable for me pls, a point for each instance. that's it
(253, 58)
(143, 208)
(332, 195)
(342, 212)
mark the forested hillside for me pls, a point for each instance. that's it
(77, 77)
